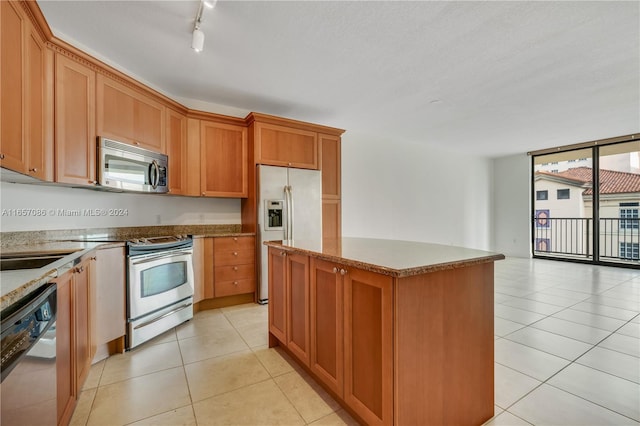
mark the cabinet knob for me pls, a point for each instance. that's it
(343, 271)
(335, 270)
(235, 253)
(93, 182)
(235, 283)
(34, 170)
(80, 269)
(235, 268)
(1, 156)
(136, 143)
(203, 194)
(283, 253)
(235, 238)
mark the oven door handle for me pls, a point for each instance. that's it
(135, 261)
(173, 311)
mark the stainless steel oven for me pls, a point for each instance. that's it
(28, 388)
(160, 286)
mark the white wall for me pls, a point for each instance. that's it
(511, 205)
(415, 192)
(142, 209)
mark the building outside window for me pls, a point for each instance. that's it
(628, 213)
(563, 194)
(542, 195)
(630, 251)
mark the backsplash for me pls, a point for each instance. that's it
(27, 207)
(12, 239)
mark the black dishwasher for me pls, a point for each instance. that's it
(28, 367)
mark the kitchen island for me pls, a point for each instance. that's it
(399, 332)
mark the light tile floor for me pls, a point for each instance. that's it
(567, 352)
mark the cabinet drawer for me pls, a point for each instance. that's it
(235, 272)
(229, 288)
(234, 243)
(233, 257)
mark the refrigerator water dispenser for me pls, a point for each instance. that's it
(273, 214)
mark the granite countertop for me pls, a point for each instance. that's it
(16, 284)
(390, 257)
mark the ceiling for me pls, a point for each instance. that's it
(483, 78)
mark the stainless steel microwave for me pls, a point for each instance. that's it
(129, 168)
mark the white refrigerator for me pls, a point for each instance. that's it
(289, 208)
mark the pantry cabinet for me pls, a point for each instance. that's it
(26, 107)
(75, 132)
(126, 115)
(224, 160)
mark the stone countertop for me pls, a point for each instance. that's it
(390, 257)
(14, 285)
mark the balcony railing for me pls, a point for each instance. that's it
(618, 239)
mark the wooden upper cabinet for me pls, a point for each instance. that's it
(331, 221)
(75, 132)
(283, 146)
(330, 163)
(126, 115)
(26, 113)
(177, 152)
(224, 160)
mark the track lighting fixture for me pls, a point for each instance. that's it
(197, 40)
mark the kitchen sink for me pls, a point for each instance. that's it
(13, 262)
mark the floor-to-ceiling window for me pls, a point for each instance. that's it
(586, 202)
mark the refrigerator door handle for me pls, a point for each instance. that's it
(287, 225)
(291, 217)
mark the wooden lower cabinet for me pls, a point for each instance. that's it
(326, 325)
(75, 346)
(297, 270)
(368, 351)
(66, 389)
(278, 300)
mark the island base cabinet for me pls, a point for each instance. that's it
(368, 347)
(277, 295)
(327, 318)
(444, 347)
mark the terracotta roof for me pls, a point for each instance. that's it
(611, 182)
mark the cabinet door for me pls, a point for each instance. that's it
(208, 285)
(110, 284)
(284, 146)
(83, 304)
(224, 160)
(331, 221)
(368, 318)
(330, 163)
(177, 152)
(13, 152)
(38, 102)
(75, 133)
(326, 328)
(278, 294)
(66, 390)
(128, 116)
(298, 306)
